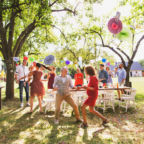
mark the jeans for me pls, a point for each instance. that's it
(21, 86)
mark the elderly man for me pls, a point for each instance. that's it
(22, 71)
(62, 84)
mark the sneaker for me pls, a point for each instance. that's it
(84, 125)
(28, 105)
(21, 105)
(56, 122)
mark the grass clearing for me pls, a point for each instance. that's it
(19, 127)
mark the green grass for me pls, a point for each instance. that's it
(19, 127)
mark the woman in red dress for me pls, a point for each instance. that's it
(92, 92)
(78, 78)
(50, 77)
(37, 87)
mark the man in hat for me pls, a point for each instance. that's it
(21, 72)
(62, 84)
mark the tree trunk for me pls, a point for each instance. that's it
(127, 82)
(10, 80)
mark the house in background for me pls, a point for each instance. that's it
(135, 71)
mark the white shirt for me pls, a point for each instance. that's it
(22, 71)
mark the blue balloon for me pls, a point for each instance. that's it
(67, 62)
(103, 60)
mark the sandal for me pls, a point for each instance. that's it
(84, 125)
(104, 122)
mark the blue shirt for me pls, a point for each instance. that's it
(103, 75)
(121, 75)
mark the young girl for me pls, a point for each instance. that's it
(92, 92)
(37, 87)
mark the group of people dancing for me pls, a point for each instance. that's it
(63, 84)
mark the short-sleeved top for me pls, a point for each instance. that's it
(121, 75)
(22, 71)
(78, 79)
(93, 82)
(103, 75)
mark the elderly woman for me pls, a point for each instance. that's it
(62, 85)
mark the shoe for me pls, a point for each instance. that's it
(104, 122)
(79, 121)
(21, 105)
(56, 122)
(84, 125)
(28, 105)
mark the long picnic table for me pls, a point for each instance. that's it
(111, 88)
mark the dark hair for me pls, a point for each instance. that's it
(48, 68)
(38, 65)
(102, 65)
(90, 70)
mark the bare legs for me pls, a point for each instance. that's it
(91, 109)
(31, 103)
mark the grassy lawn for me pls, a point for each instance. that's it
(19, 127)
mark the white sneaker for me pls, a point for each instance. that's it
(21, 105)
(56, 122)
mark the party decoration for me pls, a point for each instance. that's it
(16, 59)
(71, 63)
(114, 24)
(80, 58)
(49, 59)
(108, 63)
(65, 59)
(125, 34)
(103, 60)
(26, 53)
(31, 59)
(25, 58)
(67, 62)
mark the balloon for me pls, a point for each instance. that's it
(49, 59)
(65, 59)
(125, 34)
(31, 59)
(108, 63)
(67, 62)
(26, 53)
(16, 59)
(103, 60)
(62, 61)
(25, 58)
(71, 63)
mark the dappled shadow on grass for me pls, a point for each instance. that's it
(17, 126)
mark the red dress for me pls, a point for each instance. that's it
(37, 87)
(92, 94)
(51, 80)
